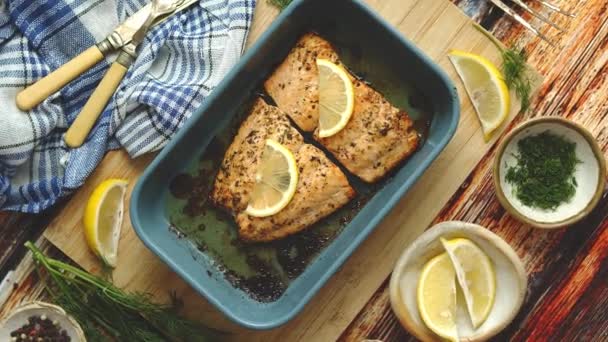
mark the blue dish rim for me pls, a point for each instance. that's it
(230, 77)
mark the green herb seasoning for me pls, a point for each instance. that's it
(544, 174)
(281, 4)
(514, 69)
(107, 313)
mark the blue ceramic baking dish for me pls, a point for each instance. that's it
(370, 48)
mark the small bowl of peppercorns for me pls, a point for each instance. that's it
(40, 322)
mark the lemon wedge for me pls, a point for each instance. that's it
(486, 88)
(103, 218)
(436, 295)
(275, 181)
(336, 98)
(476, 277)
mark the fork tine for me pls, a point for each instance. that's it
(522, 21)
(537, 14)
(556, 8)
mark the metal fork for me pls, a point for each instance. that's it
(500, 4)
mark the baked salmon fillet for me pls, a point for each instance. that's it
(322, 187)
(236, 175)
(378, 136)
(294, 85)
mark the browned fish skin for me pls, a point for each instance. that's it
(377, 137)
(294, 84)
(322, 189)
(235, 178)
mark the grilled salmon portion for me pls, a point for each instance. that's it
(235, 179)
(377, 137)
(294, 84)
(322, 189)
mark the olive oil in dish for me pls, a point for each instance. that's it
(264, 270)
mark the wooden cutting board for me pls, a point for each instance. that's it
(436, 26)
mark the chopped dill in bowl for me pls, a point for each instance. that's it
(544, 174)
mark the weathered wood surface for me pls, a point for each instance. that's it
(24, 281)
(15, 229)
(568, 293)
(567, 298)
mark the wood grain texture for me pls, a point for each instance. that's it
(15, 229)
(436, 26)
(12, 232)
(566, 298)
(26, 285)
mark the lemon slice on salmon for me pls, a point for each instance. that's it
(275, 181)
(486, 88)
(103, 217)
(336, 98)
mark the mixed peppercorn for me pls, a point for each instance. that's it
(40, 329)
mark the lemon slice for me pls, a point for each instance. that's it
(436, 295)
(486, 89)
(336, 98)
(275, 181)
(103, 218)
(475, 274)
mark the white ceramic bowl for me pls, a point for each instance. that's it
(20, 316)
(511, 281)
(590, 174)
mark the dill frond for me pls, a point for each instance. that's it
(281, 4)
(106, 312)
(514, 69)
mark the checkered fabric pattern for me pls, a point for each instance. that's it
(179, 64)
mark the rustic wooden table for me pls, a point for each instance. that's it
(568, 294)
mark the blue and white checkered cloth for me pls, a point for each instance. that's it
(179, 64)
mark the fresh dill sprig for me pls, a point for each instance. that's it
(107, 313)
(280, 3)
(514, 69)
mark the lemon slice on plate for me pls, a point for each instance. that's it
(486, 88)
(336, 98)
(476, 277)
(436, 295)
(103, 218)
(275, 181)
